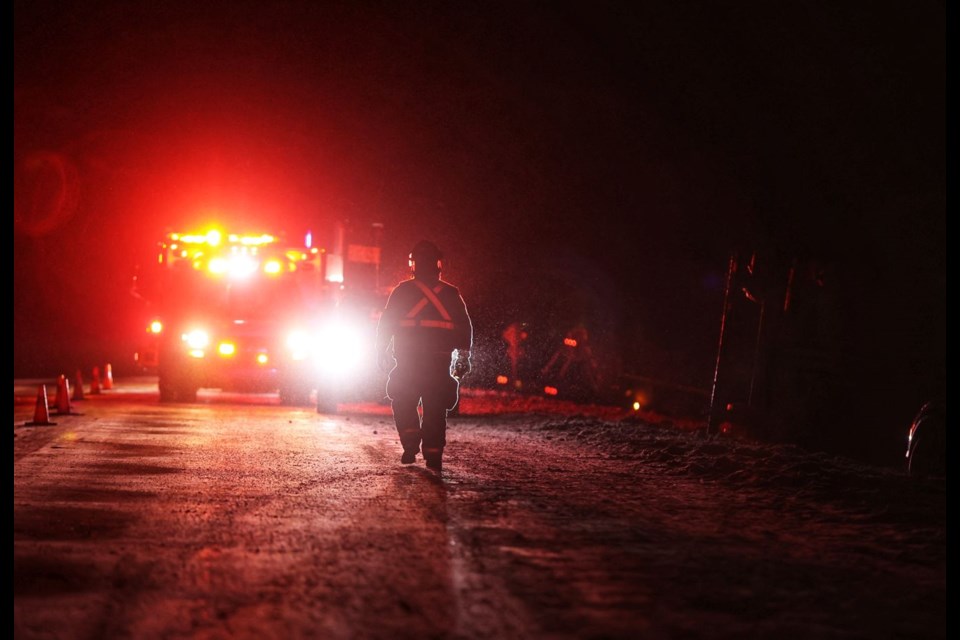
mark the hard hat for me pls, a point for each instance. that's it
(427, 256)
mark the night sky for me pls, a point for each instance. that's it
(587, 162)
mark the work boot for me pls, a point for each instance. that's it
(434, 463)
(408, 457)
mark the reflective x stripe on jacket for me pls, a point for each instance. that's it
(429, 297)
(424, 316)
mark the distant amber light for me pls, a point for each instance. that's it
(502, 380)
(570, 342)
(262, 358)
(641, 400)
(155, 327)
(227, 348)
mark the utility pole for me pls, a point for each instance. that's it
(712, 421)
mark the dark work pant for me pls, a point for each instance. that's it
(422, 387)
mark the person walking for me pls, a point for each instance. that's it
(424, 338)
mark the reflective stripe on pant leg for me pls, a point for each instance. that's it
(405, 402)
(437, 400)
(407, 420)
(434, 430)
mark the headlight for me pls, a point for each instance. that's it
(300, 344)
(334, 349)
(339, 349)
(196, 339)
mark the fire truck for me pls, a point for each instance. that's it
(254, 312)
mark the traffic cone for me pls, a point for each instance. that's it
(62, 401)
(107, 377)
(95, 382)
(41, 414)
(63, 397)
(78, 387)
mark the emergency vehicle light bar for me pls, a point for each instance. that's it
(236, 255)
(214, 238)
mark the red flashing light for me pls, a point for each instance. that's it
(570, 342)
(550, 391)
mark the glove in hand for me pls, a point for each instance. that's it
(462, 365)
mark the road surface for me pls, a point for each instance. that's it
(238, 518)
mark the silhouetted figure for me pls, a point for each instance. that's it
(515, 335)
(423, 329)
(574, 366)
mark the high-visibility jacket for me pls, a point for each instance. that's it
(424, 318)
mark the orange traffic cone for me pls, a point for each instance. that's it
(78, 388)
(41, 414)
(63, 397)
(107, 377)
(95, 382)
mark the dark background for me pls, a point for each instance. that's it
(591, 162)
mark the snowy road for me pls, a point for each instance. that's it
(250, 520)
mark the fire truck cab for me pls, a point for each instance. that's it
(252, 312)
